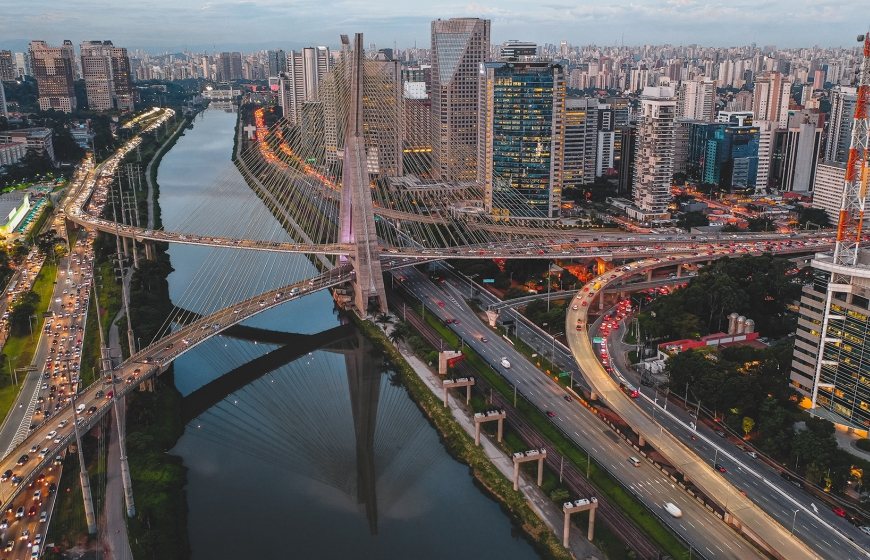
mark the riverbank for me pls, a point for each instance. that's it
(461, 446)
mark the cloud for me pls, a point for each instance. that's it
(161, 24)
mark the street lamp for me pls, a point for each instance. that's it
(793, 519)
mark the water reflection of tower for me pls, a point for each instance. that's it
(364, 383)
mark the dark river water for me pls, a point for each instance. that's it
(321, 456)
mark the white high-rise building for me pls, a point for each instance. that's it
(654, 153)
(766, 139)
(828, 188)
(771, 97)
(3, 111)
(305, 73)
(696, 100)
(803, 143)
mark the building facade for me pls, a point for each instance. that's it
(696, 99)
(654, 156)
(522, 139)
(305, 72)
(842, 386)
(771, 98)
(828, 188)
(106, 71)
(581, 141)
(7, 66)
(800, 154)
(39, 139)
(839, 136)
(459, 47)
(54, 70)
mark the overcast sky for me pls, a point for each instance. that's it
(174, 25)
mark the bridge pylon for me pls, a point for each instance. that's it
(357, 218)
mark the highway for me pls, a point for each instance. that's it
(815, 523)
(698, 470)
(708, 535)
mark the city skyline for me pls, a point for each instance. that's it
(222, 24)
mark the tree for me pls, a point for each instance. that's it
(813, 217)
(693, 219)
(22, 310)
(748, 425)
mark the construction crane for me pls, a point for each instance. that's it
(851, 218)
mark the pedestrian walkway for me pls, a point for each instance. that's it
(540, 503)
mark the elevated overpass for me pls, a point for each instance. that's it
(146, 363)
(740, 512)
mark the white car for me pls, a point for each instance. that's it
(505, 363)
(51, 434)
(673, 510)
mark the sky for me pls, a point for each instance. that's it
(175, 25)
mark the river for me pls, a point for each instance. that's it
(324, 457)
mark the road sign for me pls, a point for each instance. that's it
(564, 374)
(598, 340)
(489, 280)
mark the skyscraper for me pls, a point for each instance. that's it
(843, 386)
(843, 100)
(771, 98)
(803, 143)
(7, 66)
(53, 68)
(654, 157)
(3, 111)
(459, 46)
(696, 99)
(277, 62)
(305, 71)
(767, 131)
(581, 141)
(522, 137)
(106, 70)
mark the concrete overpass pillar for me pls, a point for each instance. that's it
(679, 271)
(150, 253)
(85, 480)
(640, 441)
(590, 531)
(649, 275)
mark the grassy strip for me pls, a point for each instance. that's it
(154, 424)
(602, 480)
(462, 447)
(19, 349)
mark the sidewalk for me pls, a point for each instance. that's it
(540, 503)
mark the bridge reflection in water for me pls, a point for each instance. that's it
(273, 409)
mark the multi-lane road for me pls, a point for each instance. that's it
(708, 536)
(751, 495)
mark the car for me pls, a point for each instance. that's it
(574, 308)
(25, 534)
(838, 511)
(34, 449)
(720, 433)
(51, 434)
(10, 544)
(484, 339)
(865, 529)
(4, 524)
(19, 513)
(23, 459)
(673, 510)
(43, 517)
(92, 410)
(37, 495)
(720, 468)
(551, 414)
(585, 303)
(505, 363)
(16, 480)
(567, 398)
(6, 475)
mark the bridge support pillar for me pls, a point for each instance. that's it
(84, 479)
(356, 213)
(577, 506)
(149, 250)
(519, 457)
(679, 271)
(466, 382)
(640, 441)
(489, 416)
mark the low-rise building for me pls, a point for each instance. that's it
(36, 138)
(11, 153)
(13, 207)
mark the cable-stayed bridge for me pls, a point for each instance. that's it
(340, 189)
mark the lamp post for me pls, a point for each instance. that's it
(793, 520)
